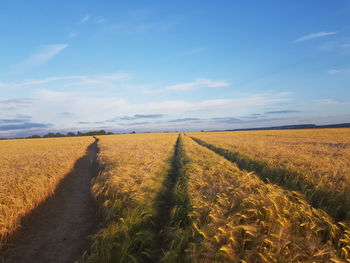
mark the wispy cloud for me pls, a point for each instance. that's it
(141, 23)
(72, 35)
(100, 21)
(256, 100)
(336, 71)
(314, 36)
(185, 120)
(332, 102)
(233, 120)
(142, 116)
(17, 101)
(69, 81)
(40, 57)
(84, 19)
(282, 112)
(138, 123)
(22, 126)
(198, 83)
(20, 122)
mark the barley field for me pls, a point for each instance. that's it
(211, 210)
(133, 168)
(30, 172)
(243, 219)
(245, 197)
(315, 162)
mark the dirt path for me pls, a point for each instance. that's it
(57, 230)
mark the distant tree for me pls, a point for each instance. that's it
(109, 133)
(100, 132)
(34, 136)
(70, 134)
(53, 135)
(49, 135)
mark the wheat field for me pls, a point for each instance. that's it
(217, 211)
(248, 197)
(30, 172)
(133, 168)
(315, 162)
(243, 219)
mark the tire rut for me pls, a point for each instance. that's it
(57, 230)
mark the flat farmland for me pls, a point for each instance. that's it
(30, 172)
(253, 196)
(315, 162)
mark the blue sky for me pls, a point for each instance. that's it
(172, 65)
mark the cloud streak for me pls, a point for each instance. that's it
(198, 83)
(69, 81)
(85, 19)
(20, 122)
(282, 112)
(337, 71)
(40, 57)
(142, 116)
(332, 102)
(22, 126)
(185, 120)
(314, 36)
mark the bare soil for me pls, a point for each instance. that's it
(58, 230)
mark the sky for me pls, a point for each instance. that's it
(172, 65)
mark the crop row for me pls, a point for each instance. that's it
(168, 200)
(313, 162)
(133, 170)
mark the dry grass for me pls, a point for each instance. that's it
(30, 170)
(243, 219)
(318, 161)
(133, 169)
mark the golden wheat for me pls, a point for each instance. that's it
(243, 219)
(319, 157)
(30, 170)
(133, 168)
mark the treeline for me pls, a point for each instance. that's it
(70, 134)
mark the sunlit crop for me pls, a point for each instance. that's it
(133, 168)
(315, 162)
(30, 170)
(243, 219)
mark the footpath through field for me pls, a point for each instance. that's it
(58, 230)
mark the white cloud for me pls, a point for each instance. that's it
(40, 57)
(314, 36)
(84, 19)
(336, 71)
(100, 21)
(256, 100)
(94, 107)
(3, 85)
(69, 81)
(333, 71)
(135, 26)
(72, 35)
(332, 102)
(198, 83)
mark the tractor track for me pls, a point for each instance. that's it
(58, 230)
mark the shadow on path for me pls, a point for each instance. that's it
(58, 229)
